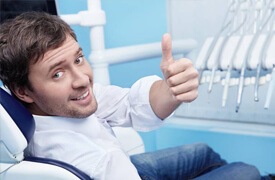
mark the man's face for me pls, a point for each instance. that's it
(62, 83)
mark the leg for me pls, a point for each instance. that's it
(184, 162)
(233, 171)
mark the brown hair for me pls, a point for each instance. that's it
(24, 40)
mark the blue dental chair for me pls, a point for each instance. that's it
(16, 129)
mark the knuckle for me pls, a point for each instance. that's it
(169, 70)
(171, 81)
(177, 98)
(188, 97)
(188, 62)
(193, 74)
(173, 90)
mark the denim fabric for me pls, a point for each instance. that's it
(195, 161)
(233, 171)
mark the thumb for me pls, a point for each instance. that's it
(166, 45)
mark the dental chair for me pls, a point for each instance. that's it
(17, 128)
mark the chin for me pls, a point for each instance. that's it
(84, 114)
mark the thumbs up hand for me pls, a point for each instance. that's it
(180, 83)
(180, 75)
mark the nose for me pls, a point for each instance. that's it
(80, 79)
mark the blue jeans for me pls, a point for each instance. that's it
(195, 161)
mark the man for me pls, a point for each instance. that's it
(44, 67)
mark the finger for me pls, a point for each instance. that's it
(182, 77)
(187, 97)
(186, 87)
(180, 66)
(166, 45)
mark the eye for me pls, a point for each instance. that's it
(80, 59)
(57, 75)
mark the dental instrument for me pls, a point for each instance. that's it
(228, 73)
(248, 56)
(241, 6)
(234, 48)
(259, 65)
(213, 42)
(263, 56)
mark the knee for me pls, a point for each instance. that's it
(197, 146)
(203, 148)
(207, 154)
(247, 171)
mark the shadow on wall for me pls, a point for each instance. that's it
(11, 8)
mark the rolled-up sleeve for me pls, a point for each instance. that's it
(142, 114)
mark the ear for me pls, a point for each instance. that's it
(22, 93)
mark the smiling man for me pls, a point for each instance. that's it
(44, 67)
(67, 83)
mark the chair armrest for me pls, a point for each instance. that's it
(130, 140)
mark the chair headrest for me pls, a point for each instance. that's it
(18, 113)
(17, 128)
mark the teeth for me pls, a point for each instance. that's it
(83, 96)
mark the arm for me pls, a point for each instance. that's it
(180, 82)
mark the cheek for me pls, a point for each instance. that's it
(51, 94)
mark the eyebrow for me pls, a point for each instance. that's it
(78, 51)
(60, 62)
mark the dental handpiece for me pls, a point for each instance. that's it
(225, 41)
(243, 70)
(209, 51)
(233, 57)
(240, 89)
(262, 58)
(216, 38)
(228, 72)
(259, 65)
(215, 66)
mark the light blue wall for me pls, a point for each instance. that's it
(129, 23)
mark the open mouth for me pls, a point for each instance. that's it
(81, 97)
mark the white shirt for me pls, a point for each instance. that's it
(89, 144)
